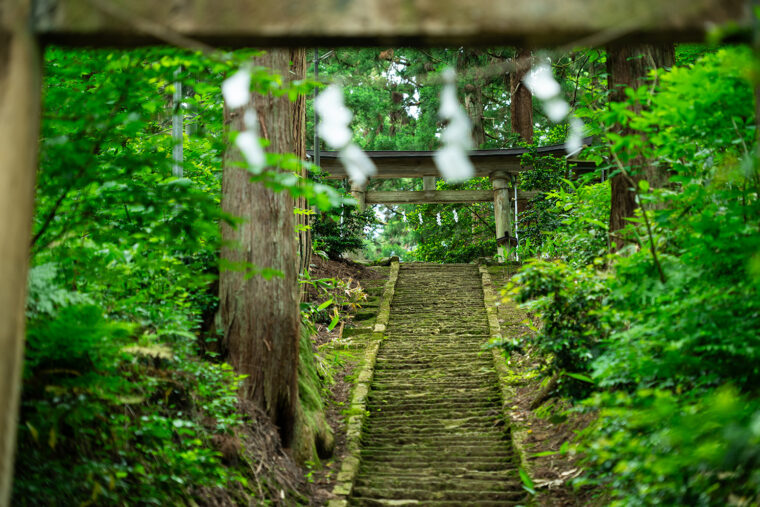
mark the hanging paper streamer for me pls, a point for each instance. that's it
(403, 215)
(420, 217)
(451, 159)
(333, 128)
(456, 217)
(236, 93)
(438, 219)
(574, 142)
(542, 85)
(236, 89)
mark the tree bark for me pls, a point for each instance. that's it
(299, 133)
(473, 93)
(19, 129)
(261, 317)
(521, 105)
(628, 66)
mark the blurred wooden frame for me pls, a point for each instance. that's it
(203, 24)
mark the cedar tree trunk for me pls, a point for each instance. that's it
(521, 105)
(298, 57)
(261, 317)
(628, 66)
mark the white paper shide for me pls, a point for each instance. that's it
(334, 121)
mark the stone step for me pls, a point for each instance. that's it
(436, 493)
(377, 421)
(443, 439)
(379, 502)
(384, 453)
(436, 482)
(392, 472)
(441, 408)
(436, 433)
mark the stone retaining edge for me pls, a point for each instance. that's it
(508, 393)
(358, 405)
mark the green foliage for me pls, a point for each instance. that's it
(579, 223)
(668, 327)
(658, 447)
(463, 239)
(341, 231)
(117, 407)
(569, 302)
(546, 173)
(108, 415)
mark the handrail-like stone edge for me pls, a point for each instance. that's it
(508, 393)
(358, 406)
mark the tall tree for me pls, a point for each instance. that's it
(469, 60)
(521, 104)
(299, 132)
(261, 317)
(628, 66)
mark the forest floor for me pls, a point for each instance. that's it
(542, 421)
(343, 347)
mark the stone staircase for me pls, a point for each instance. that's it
(436, 433)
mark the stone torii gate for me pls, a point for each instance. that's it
(500, 166)
(26, 25)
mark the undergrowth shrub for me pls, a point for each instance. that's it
(659, 447)
(111, 411)
(581, 213)
(337, 234)
(445, 237)
(569, 303)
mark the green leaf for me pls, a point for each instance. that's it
(578, 376)
(544, 453)
(334, 322)
(324, 305)
(527, 482)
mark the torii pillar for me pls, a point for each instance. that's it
(359, 193)
(501, 212)
(20, 70)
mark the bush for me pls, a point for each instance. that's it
(656, 447)
(445, 237)
(109, 412)
(569, 302)
(336, 238)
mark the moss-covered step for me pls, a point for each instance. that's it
(435, 433)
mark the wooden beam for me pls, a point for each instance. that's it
(439, 196)
(420, 164)
(387, 23)
(429, 197)
(403, 167)
(20, 68)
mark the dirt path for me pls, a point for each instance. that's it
(436, 434)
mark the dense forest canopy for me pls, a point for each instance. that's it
(127, 392)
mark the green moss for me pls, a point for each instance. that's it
(314, 438)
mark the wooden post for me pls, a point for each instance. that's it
(428, 183)
(359, 192)
(19, 129)
(501, 211)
